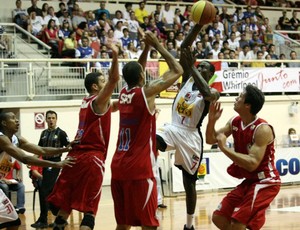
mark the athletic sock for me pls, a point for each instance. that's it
(189, 220)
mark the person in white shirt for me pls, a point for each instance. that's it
(36, 24)
(133, 26)
(51, 15)
(245, 55)
(233, 42)
(168, 16)
(126, 12)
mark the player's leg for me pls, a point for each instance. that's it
(189, 183)
(61, 220)
(88, 222)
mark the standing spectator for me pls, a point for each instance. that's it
(253, 160)
(133, 26)
(79, 187)
(141, 12)
(20, 15)
(189, 109)
(133, 162)
(53, 136)
(12, 145)
(34, 8)
(126, 12)
(168, 16)
(11, 183)
(102, 9)
(293, 56)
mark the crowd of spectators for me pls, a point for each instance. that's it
(73, 33)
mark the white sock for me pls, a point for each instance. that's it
(189, 220)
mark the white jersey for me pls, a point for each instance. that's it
(189, 105)
(7, 211)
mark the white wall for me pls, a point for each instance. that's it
(275, 111)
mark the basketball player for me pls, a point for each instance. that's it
(133, 165)
(189, 109)
(11, 145)
(253, 159)
(80, 187)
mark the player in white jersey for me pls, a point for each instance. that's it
(189, 109)
(10, 146)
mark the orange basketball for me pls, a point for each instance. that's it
(203, 12)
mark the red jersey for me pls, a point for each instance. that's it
(243, 140)
(93, 129)
(135, 155)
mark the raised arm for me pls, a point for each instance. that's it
(103, 99)
(170, 76)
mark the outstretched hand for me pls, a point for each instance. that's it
(69, 161)
(215, 111)
(151, 39)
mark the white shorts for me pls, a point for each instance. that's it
(7, 210)
(187, 144)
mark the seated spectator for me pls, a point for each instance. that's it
(259, 57)
(9, 183)
(232, 55)
(141, 12)
(152, 27)
(132, 51)
(233, 42)
(198, 52)
(66, 17)
(70, 46)
(20, 16)
(259, 15)
(248, 13)
(284, 21)
(160, 25)
(104, 22)
(179, 18)
(80, 30)
(118, 32)
(52, 39)
(293, 56)
(269, 64)
(45, 7)
(214, 30)
(152, 67)
(119, 17)
(36, 24)
(283, 64)
(34, 8)
(224, 64)
(253, 51)
(245, 55)
(84, 51)
(255, 40)
(101, 10)
(292, 139)
(215, 50)
(268, 35)
(187, 11)
(295, 22)
(65, 30)
(51, 15)
(62, 9)
(112, 39)
(93, 24)
(77, 18)
(126, 12)
(103, 65)
(125, 39)
(272, 53)
(243, 41)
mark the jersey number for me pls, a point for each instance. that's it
(124, 139)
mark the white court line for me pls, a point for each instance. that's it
(288, 209)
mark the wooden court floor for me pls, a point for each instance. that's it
(284, 213)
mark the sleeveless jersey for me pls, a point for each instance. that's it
(135, 155)
(243, 140)
(189, 108)
(85, 52)
(6, 163)
(93, 129)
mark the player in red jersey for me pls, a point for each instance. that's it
(133, 181)
(253, 159)
(80, 187)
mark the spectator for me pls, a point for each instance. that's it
(224, 64)
(84, 51)
(295, 22)
(284, 21)
(11, 183)
(145, 23)
(198, 52)
(70, 46)
(133, 26)
(248, 13)
(104, 22)
(232, 55)
(20, 16)
(93, 24)
(255, 40)
(160, 25)
(66, 17)
(64, 31)
(62, 9)
(259, 57)
(269, 64)
(125, 39)
(118, 32)
(102, 9)
(292, 139)
(233, 42)
(51, 15)
(152, 27)
(36, 24)
(214, 30)
(168, 16)
(293, 56)
(45, 7)
(179, 18)
(141, 12)
(253, 51)
(283, 64)
(259, 15)
(112, 39)
(268, 35)
(103, 65)
(215, 50)
(132, 51)
(119, 18)
(187, 11)
(126, 12)
(272, 53)
(52, 39)
(34, 8)
(152, 66)
(171, 49)
(78, 18)
(245, 55)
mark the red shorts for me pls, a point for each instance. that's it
(135, 202)
(248, 202)
(79, 187)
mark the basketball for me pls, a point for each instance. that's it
(203, 12)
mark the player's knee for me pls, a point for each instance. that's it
(88, 220)
(160, 144)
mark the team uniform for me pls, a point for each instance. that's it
(133, 165)
(7, 210)
(79, 187)
(248, 202)
(183, 135)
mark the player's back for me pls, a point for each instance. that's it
(136, 152)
